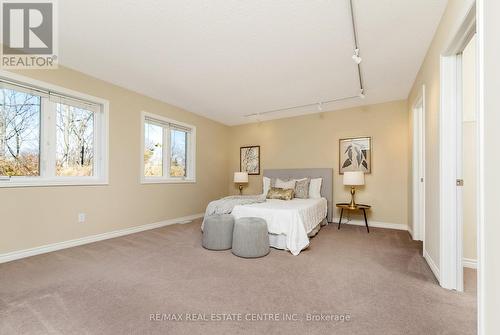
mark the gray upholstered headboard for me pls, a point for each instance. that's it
(326, 185)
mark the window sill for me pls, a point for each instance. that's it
(168, 181)
(26, 182)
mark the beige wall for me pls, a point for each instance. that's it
(429, 75)
(312, 141)
(469, 150)
(36, 216)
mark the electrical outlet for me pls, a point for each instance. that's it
(81, 217)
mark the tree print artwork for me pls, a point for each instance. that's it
(355, 154)
(250, 160)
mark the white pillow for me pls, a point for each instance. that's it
(266, 185)
(315, 188)
(301, 179)
(285, 184)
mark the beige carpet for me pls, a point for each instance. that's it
(379, 280)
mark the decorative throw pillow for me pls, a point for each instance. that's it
(266, 185)
(273, 182)
(302, 188)
(280, 194)
(315, 188)
(284, 184)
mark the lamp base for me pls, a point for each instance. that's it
(352, 204)
(240, 187)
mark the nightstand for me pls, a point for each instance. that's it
(360, 207)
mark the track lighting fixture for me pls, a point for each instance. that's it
(319, 105)
(356, 57)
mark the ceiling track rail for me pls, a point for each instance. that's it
(320, 103)
(356, 46)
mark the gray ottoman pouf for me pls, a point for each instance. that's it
(218, 232)
(250, 238)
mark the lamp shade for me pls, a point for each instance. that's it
(241, 177)
(353, 178)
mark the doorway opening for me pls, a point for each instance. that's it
(452, 163)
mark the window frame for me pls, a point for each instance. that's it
(166, 152)
(48, 135)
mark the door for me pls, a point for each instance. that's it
(418, 228)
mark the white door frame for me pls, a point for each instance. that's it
(451, 240)
(418, 168)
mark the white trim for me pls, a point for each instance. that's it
(459, 175)
(432, 265)
(410, 231)
(481, 291)
(163, 180)
(51, 87)
(450, 240)
(469, 263)
(464, 33)
(190, 154)
(60, 181)
(375, 224)
(11, 256)
(101, 140)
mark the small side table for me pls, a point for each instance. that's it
(361, 207)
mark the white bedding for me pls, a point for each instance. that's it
(293, 218)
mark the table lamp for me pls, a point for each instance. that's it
(353, 178)
(240, 178)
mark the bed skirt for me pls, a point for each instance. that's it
(278, 241)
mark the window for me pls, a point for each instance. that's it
(75, 141)
(153, 150)
(19, 133)
(50, 136)
(168, 150)
(178, 150)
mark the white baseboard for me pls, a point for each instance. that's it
(469, 263)
(410, 231)
(11, 256)
(432, 265)
(376, 224)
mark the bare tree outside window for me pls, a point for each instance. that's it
(153, 153)
(168, 150)
(178, 141)
(75, 141)
(19, 133)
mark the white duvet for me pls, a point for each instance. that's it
(293, 218)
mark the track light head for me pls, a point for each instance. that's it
(256, 117)
(362, 94)
(356, 58)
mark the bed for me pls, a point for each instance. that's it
(291, 223)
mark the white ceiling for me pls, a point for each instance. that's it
(224, 59)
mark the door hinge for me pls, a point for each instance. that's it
(460, 182)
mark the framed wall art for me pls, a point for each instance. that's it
(250, 159)
(355, 154)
